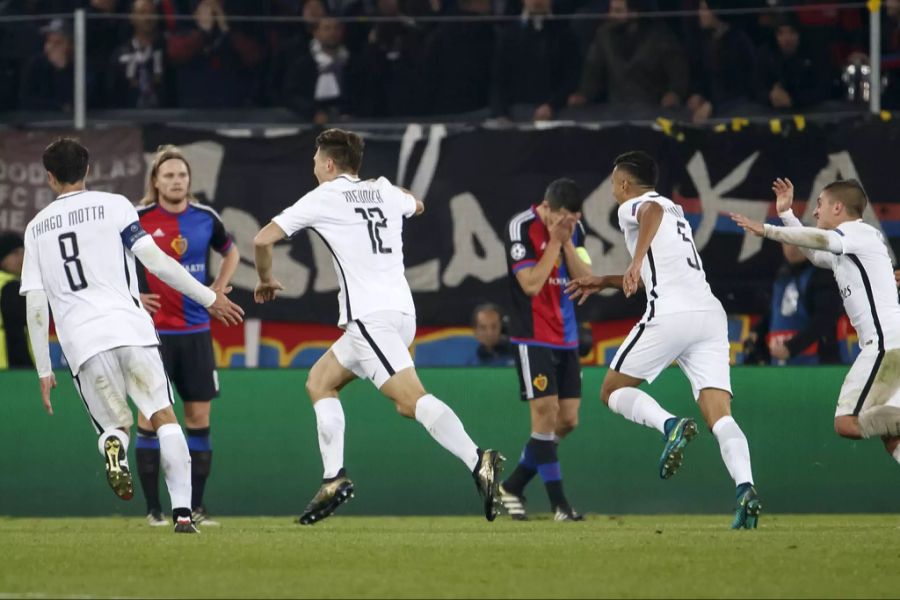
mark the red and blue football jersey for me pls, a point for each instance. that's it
(187, 237)
(547, 319)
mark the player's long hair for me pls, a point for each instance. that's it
(164, 153)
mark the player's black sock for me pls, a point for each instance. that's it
(341, 473)
(544, 452)
(201, 462)
(147, 452)
(523, 473)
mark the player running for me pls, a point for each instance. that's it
(79, 255)
(361, 223)
(187, 231)
(542, 254)
(683, 322)
(869, 401)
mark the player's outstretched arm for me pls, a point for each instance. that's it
(169, 271)
(582, 287)
(268, 286)
(805, 237)
(38, 318)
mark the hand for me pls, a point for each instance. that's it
(577, 99)
(778, 350)
(897, 278)
(669, 100)
(631, 280)
(582, 287)
(563, 228)
(266, 290)
(544, 112)
(150, 302)
(47, 384)
(779, 97)
(754, 227)
(225, 310)
(219, 14)
(702, 113)
(784, 194)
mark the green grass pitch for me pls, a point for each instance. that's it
(818, 556)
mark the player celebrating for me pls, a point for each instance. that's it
(361, 222)
(869, 401)
(683, 322)
(79, 255)
(542, 253)
(186, 230)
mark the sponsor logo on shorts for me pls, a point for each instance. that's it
(540, 382)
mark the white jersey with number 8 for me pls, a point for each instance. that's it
(78, 250)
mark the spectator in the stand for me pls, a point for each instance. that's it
(390, 65)
(47, 77)
(14, 352)
(19, 41)
(104, 34)
(290, 40)
(792, 74)
(723, 78)
(494, 349)
(536, 64)
(890, 57)
(138, 73)
(216, 65)
(801, 327)
(315, 82)
(633, 63)
(458, 62)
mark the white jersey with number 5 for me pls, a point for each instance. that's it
(672, 273)
(78, 250)
(361, 222)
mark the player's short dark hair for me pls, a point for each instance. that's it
(345, 148)
(67, 160)
(850, 193)
(564, 193)
(640, 166)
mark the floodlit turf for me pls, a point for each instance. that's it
(636, 556)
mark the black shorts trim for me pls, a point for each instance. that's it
(86, 407)
(618, 365)
(548, 372)
(341, 269)
(378, 352)
(869, 382)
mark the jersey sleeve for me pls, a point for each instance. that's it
(220, 241)
(297, 216)
(128, 223)
(856, 239)
(407, 202)
(31, 268)
(628, 213)
(519, 249)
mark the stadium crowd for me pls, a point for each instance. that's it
(515, 59)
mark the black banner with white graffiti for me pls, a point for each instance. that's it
(474, 181)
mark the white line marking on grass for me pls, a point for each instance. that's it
(41, 595)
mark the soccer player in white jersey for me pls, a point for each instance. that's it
(361, 222)
(869, 401)
(79, 256)
(683, 323)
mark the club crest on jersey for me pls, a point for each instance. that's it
(180, 245)
(517, 252)
(540, 382)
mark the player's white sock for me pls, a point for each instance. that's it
(640, 408)
(734, 448)
(123, 437)
(446, 428)
(176, 464)
(330, 423)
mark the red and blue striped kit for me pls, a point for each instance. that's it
(187, 237)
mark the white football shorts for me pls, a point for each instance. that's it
(871, 381)
(107, 379)
(377, 346)
(697, 341)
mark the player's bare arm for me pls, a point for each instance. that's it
(226, 271)
(267, 287)
(532, 279)
(38, 318)
(649, 217)
(805, 237)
